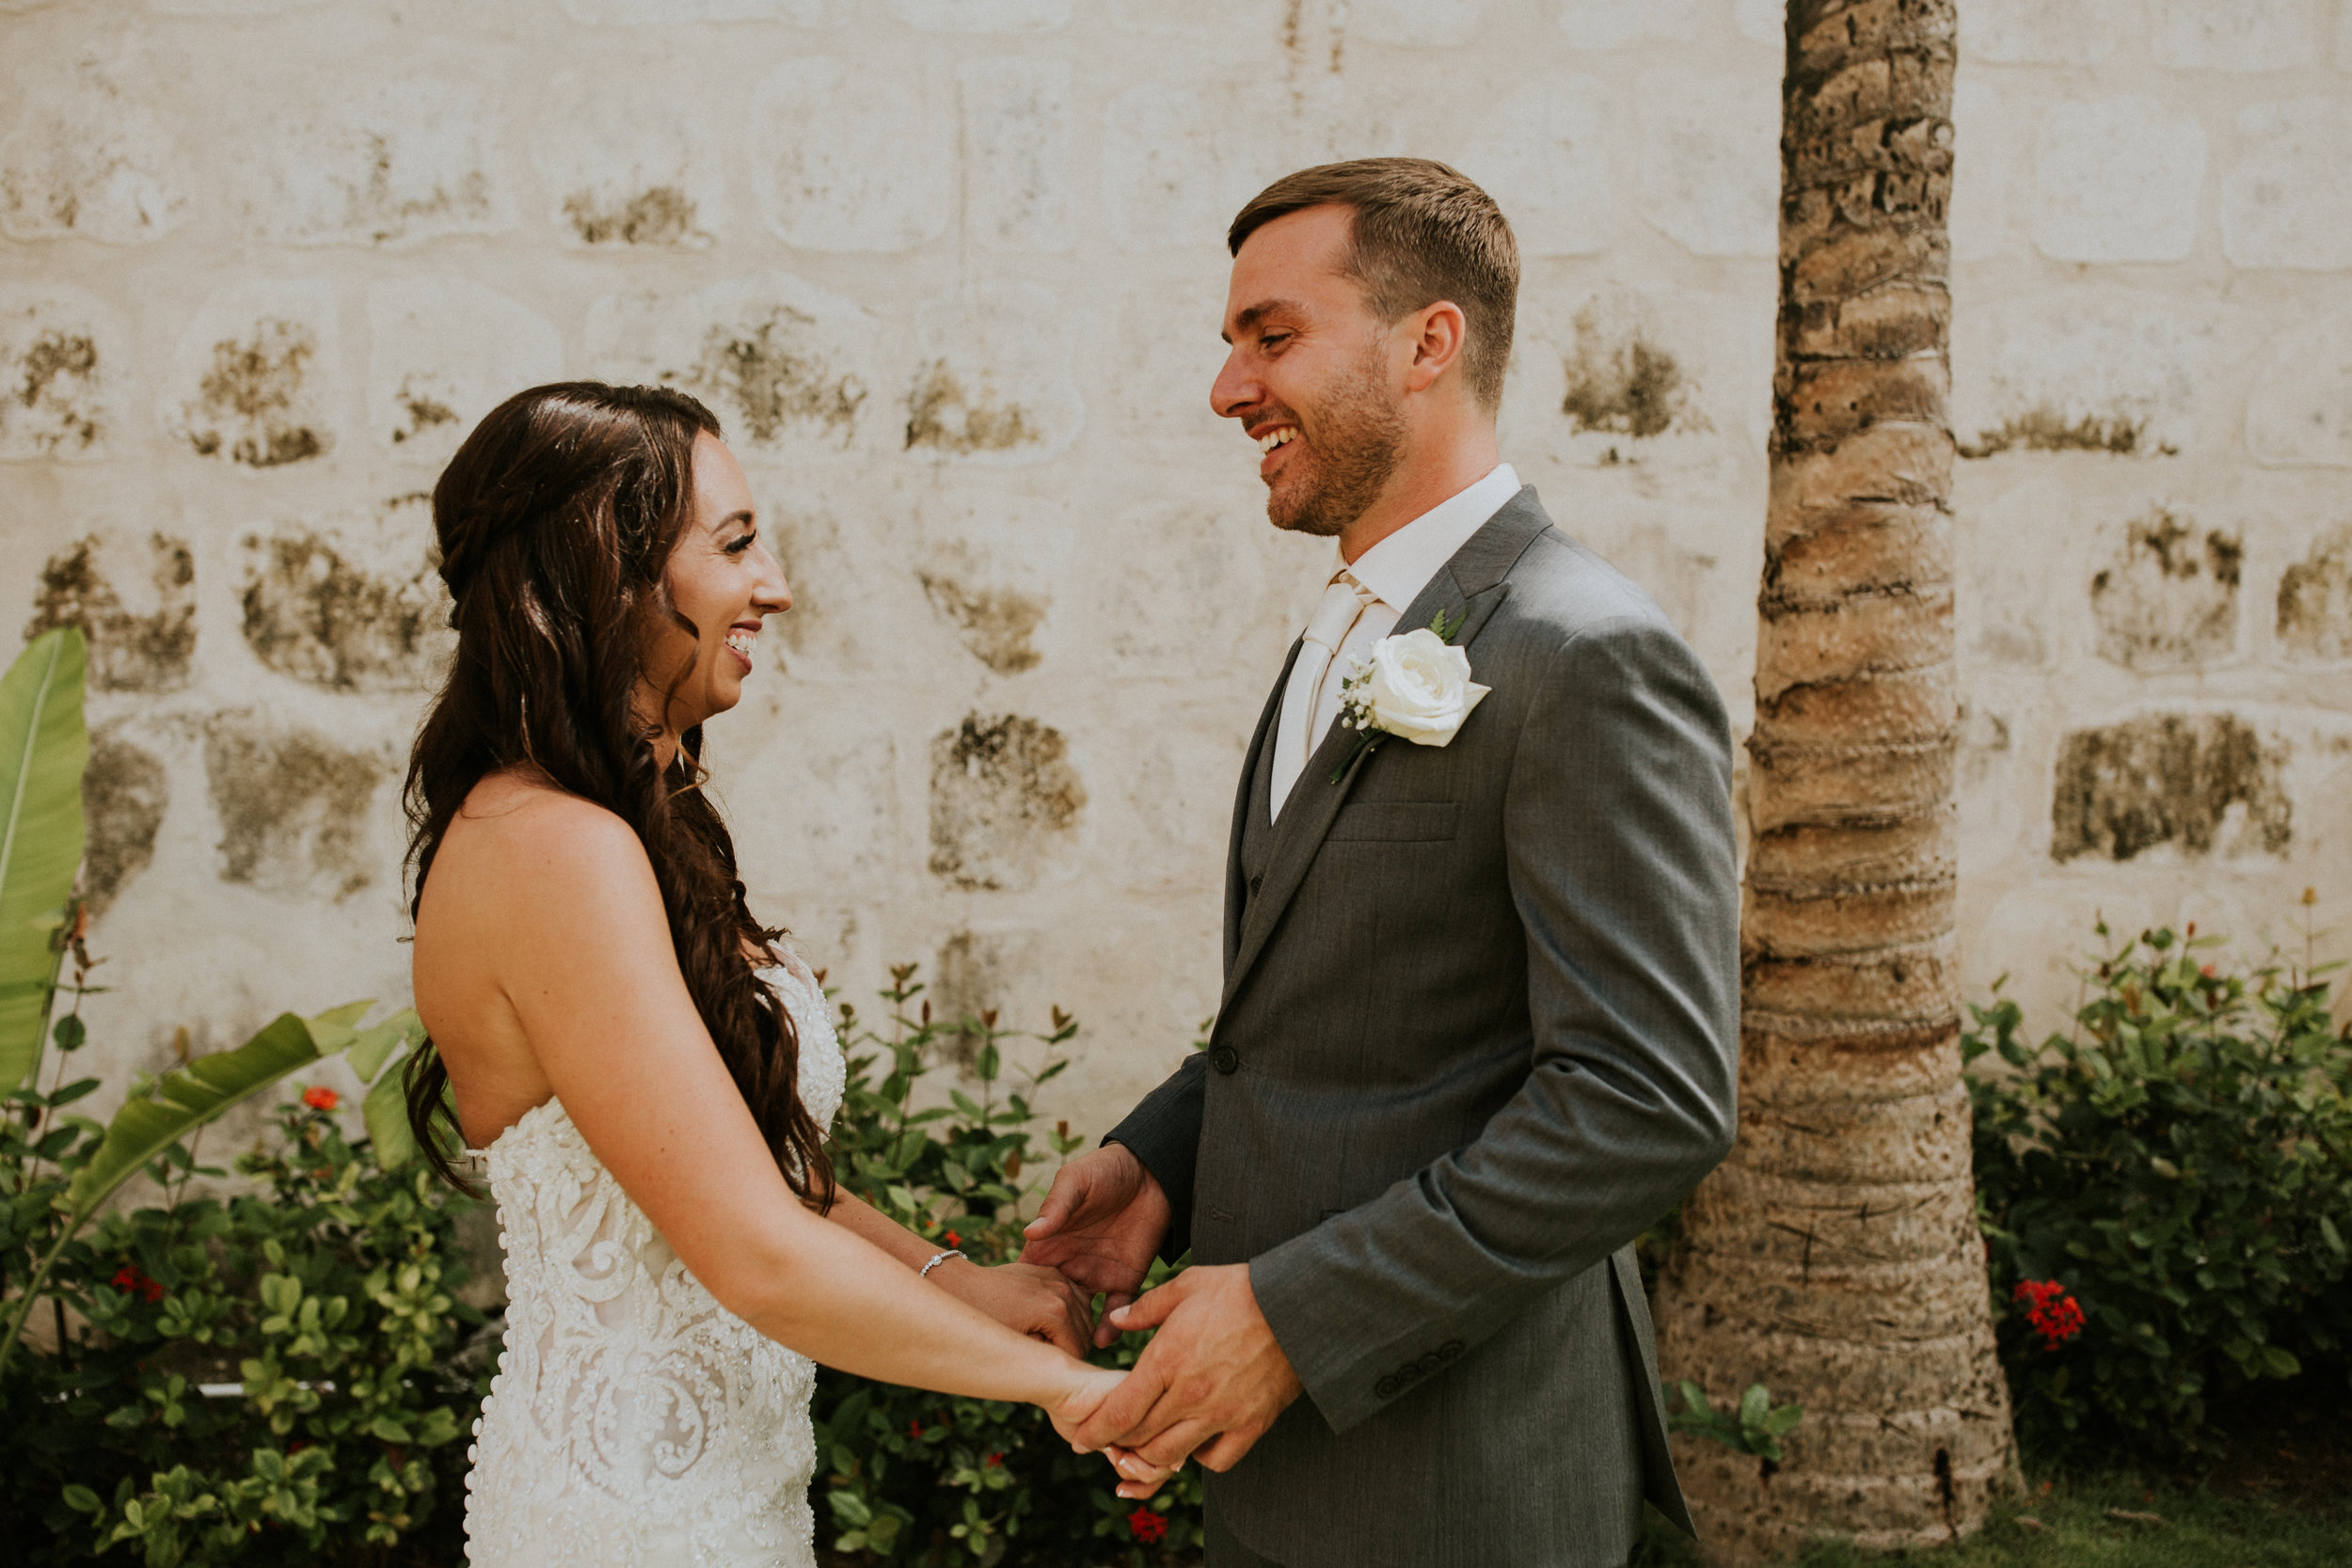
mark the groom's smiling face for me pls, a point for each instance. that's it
(1313, 375)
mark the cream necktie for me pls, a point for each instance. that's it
(1294, 736)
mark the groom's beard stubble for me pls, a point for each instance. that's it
(1358, 442)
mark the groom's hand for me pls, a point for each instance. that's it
(1212, 1380)
(1101, 1226)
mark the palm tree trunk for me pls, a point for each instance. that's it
(1836, 1256)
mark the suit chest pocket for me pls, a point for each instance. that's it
(1394, 822)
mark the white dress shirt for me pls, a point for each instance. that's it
(1397, 569)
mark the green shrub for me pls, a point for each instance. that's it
(325, 1293)
(2181, 1163)
(911, 1477)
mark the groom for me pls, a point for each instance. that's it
(1480, 991)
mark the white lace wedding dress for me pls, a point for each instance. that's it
(634, 1420)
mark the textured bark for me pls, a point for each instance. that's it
(1835, 1257)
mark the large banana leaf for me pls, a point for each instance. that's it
(43, 748)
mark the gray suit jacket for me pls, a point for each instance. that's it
(1479, 1031)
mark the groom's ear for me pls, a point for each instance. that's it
(1439, 334)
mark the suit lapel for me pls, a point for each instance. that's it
(1467, 589)
(1236, 880)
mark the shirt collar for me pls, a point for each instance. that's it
(1401, 566)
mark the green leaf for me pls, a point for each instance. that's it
(2278, 1363)
(368, 1052)
(2333, 1236)
(43, 748)
(386, 1112)
(1755, 1404)
(81, 1498)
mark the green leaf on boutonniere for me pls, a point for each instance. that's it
(1363, 743)
(1444, 628)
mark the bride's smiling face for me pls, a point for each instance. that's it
(722, 577)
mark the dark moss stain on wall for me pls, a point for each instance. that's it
(2167, 779)
(942, 416)
(312, 614)
(995, 623)
(772, 377)
(1004, 797)
(246, 402)
(662, 214)
(1620, 383)
(2046, 430)
(2315, 607)
(129, 651)
(124, 796)
(423, 412)
(383, 215)
(294, 807)
(967, 981)
(56, 387)
(2169, 598)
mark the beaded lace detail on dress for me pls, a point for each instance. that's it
(634, 1421)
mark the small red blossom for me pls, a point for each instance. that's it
(954, 1240)
(915, 1429)
(993, 1459)
(132, 1282)
(320, 1097)
(1147, 1526)
(2050, 1312)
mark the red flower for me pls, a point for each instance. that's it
(954, 1240)
(2049, 1310)
(320, 1097)
(1147, 1526)
(994, 1459)
(130, 1281)
(915, 1429)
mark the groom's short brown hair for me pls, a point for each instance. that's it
(1421, 232)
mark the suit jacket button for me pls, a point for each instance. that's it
(1256, 882)
(1224, 1058)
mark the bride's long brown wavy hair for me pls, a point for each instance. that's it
(556, 519)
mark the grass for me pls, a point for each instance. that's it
(2075, 1522)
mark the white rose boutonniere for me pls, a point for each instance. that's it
(1416, 685)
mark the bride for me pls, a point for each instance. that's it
(650, 1075)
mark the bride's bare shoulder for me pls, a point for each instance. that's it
(514, 823)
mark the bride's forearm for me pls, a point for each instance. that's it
(852, 1303)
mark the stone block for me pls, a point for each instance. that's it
(1180, 158)
(1005, 804)
(2314, 606)
(2288, 200)
(1542, 153)
(2234, 34)
(294, 807)
(991, 381)
(125, 793)
(673, 13)
(2079, 370)
(1416, 24)
(2033, 32)
(2006, 611)
(983, 16)
(852, 158)
(1168, 358)
(786, 366)
(1174, 576)
(815, 799)
(2168, 596)
(2195, 783)
(1016, 140)
(2300, 410)
(133, 598)
(1237, 25)
(858, 613)
(2117, 180)
(1989, 122)
(627, 170)
(992, 566)
(351, 603)
(57, 374)
(1710, 160)
(1762, 20)
(1611, 379)
(86, 158)
(376, 163)
(442, 352)
(1616, 23)
(257, 377)
(231, 8)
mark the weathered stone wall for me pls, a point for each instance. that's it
(950, 271)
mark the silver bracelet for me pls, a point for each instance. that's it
(937, 1258)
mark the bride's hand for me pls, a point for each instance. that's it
(1025, 1298)
(1138, 1478)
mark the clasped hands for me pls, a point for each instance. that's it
(1214, 1378)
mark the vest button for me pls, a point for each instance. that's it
(1256, 882)
(1224, 1058)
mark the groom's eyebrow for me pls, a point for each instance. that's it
(1260, 311)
